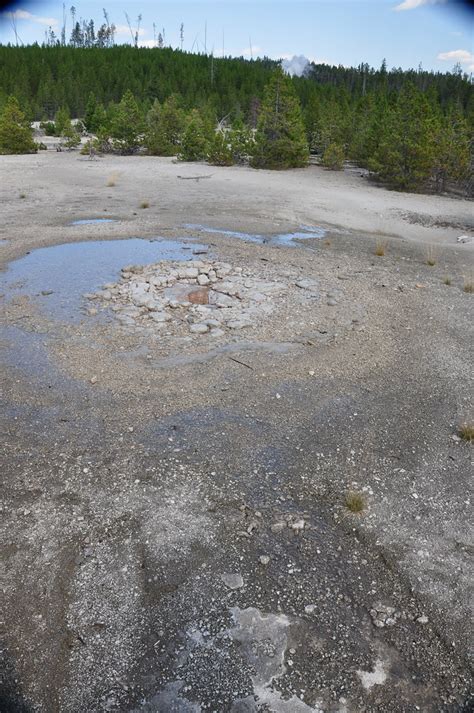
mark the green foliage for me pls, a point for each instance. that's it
(241, 141)
(195, 142)
(453, 155)
(89, 116)
(71, 138)
(126, 125)
(16, 135)
(165, 127)
(406, 152)
(220, 152)
(62, 121)
(49, 128)
(280, 141)
(333, 157)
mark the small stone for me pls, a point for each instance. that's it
(160, 317)
(94, 380)
(309, 608)
(233, 581)
(238, 324)
(423, 619)
(264, 559)
(311, 373)
(45, 293)
(203, 280)
(332, 302)
(199, 328)
(92, 311)
(278, 526)
(298, 525)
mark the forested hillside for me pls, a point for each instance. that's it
(45, 78)
(409, 127)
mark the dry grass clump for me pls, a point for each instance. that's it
(380, 247)
(466, 431)
(112, 180)
(447, 280)
(144, 204)
(469, 285)
(431, 257)
(355, 502)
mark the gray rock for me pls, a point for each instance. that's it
(233, 581)
(199, 328)
(238, 324)
(203, 280)
(160, 317)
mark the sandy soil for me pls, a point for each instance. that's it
(174, 518)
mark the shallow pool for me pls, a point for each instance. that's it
(57, 277)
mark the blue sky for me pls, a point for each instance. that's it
(437, 33)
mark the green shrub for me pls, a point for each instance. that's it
(333, 157)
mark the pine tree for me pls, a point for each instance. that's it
(280, 139)
(16, 135)
(91, 107)
(62, 120)
(453, 155)
(220, 152)
(195, 143)
(127, 125)
(333, 157)
(165, 126)
(405, 155)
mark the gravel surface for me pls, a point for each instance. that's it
(275, 517)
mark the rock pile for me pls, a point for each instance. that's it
(197, 297)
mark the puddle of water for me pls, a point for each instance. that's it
(92, 221)
(304, 233)
(230, 233)
(57, 277)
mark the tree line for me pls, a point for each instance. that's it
(412, 130)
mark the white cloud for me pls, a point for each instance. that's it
(125, 30)
(254, 51)
(25, 15)
(146, 43)
(412, 4)
(461, 56)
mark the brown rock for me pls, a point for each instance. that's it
(199, 296)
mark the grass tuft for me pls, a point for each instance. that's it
(380, 247)
(112, 180)
(144, 204)
(431, 256)
(447, 280)
(355, 502)
(468, 285)
(466, 431)
(22, 195)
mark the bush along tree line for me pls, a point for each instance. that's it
(411, 130)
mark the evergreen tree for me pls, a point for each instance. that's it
(62, 120)
(165, 126)
(126, 125)
(405, 155)
(220, 152)
(195, 143)
(91, 108)
(453, 156)
(333, 157)
(241, 142)
(16, 135)
(280, 141)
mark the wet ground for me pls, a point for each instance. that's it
(177, 535)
